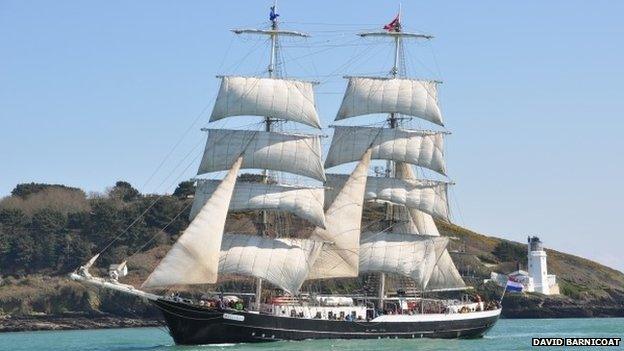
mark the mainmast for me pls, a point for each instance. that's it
(394, 31)
(390, 166)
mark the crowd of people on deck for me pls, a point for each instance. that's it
(413, 307)
(438, 306)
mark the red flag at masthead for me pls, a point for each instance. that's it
(395, 25)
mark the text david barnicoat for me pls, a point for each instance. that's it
(576, 341)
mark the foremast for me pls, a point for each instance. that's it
(274, 33)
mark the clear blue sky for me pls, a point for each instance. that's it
(100, 91)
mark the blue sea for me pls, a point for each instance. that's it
(508, 334)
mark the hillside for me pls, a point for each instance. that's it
(47, 230)
(588, 289)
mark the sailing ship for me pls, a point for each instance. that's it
(407, 244)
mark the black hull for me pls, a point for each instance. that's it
(192, 325)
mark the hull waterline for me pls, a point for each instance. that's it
(194, 325)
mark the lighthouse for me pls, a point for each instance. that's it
(538, 271)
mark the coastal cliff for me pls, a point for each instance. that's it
(48, 230)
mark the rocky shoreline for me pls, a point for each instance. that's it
(571, 311)
(540, 306)
(45, 322)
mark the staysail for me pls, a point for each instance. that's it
(422, 148)
(194, 258)
(304, 202)
(410, 97)
(287, 99)
(288, 152)
(284, 262)
(340, 258)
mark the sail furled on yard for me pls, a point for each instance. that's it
(287, 152)
(340, 257)
(304, 202)
(284, 262)
(411, 97)
(194, 258)
(287, 99)
(421, 148)
(426, 195)
(406, 255)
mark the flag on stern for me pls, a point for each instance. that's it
(514, 286)
(509, 283)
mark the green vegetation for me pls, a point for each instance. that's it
(507, 251)
(52, 229)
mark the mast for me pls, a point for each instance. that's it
(394, 31)
(274, 32)
(268, 127)
(390, 166)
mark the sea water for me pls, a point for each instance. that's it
(507, 334)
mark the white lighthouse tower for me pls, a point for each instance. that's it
(538, 271)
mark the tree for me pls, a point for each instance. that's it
(13, 218)
(104, 222)
(124, 191)
(74, 251)
(25, 189)
(185, 189)
(507, 251)
(47, 227)
(77, 220)
(19, 246)
(5, 247)
(166, 212)
(137, 232)
(21, 255)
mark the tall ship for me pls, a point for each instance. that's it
(287, 264)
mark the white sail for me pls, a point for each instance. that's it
(401, 220)
(340, 257)
(403, 216)
(426, 195)
(194, 258)
(423, 223)
(304, 202)
(408, 255)
(420, 148)
(293, 153)
(445, 275)
(368, 95)
(284, 262)
(287, 99)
